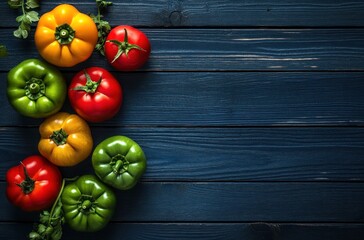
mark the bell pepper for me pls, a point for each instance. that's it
(65, 36)
(36, 89)
(34, 184)
(88, 204)
(119, 162)
(95, 94)
(66, 139)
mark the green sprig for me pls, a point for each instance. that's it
(103, 27)
(50, 223)
(28, 16)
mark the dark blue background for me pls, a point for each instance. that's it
(250, 113)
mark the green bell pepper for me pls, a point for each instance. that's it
(88, 204)
(36, 89)
(119, 162)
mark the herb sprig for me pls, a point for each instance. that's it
(103, 27)
(50, 223)
(28, 16)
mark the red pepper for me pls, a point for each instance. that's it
(95, 94)
(34, 184)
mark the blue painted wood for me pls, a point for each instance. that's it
(229, 202)
(203, 231)
(231, 49)
(231, 13)
(245, 119)
(228, 99)
(222, 154)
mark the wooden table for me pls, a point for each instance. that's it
(251, 115)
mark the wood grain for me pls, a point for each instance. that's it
(228, 99)
(250, 114)
(229, 202)
(203, 231)
(222, 154)
(230, 50)
(232, 13)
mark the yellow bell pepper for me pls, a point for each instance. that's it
(65, 36)
(66, 139)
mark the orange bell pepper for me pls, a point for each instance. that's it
(66, 139)
(65, 36)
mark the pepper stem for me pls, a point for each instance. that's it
(27, 186)
(124, 47)
(86, 204)
(90, 86)
(120, 164)
(59, 137)
(64, 34)
(34, 88)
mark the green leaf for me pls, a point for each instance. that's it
(17, 33)
(41, 228)
(103, 4)
(57, 233)
(24, 33)
(14, 4)
(25, 22)
(103, 26)
(32, 16)
(34, 236)
(27, 18)
(50, 226)
(44, 217)
(19, 18)
(32, 4)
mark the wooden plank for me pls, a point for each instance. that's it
(228, 99)
(237, 13)
(222, 154)
(229, 202)
(203, 231)
(231, 49)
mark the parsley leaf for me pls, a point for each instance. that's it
(28, 16)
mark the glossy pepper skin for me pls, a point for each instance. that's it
(66, 139)
(65, 36)
(95, 94)
(119, 162)
(127, 48)
(88, 204)
(36, 89)
(34, 184)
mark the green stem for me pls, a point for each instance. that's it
(90, 86)
(59, 137)
(86, 204)
(124, 47)
(27, 186)
(64, 34)
(103, 27)
(51, 217)
(120, 164)
(98, 14)
(34, 88)
(56, 203)
(23, 7)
